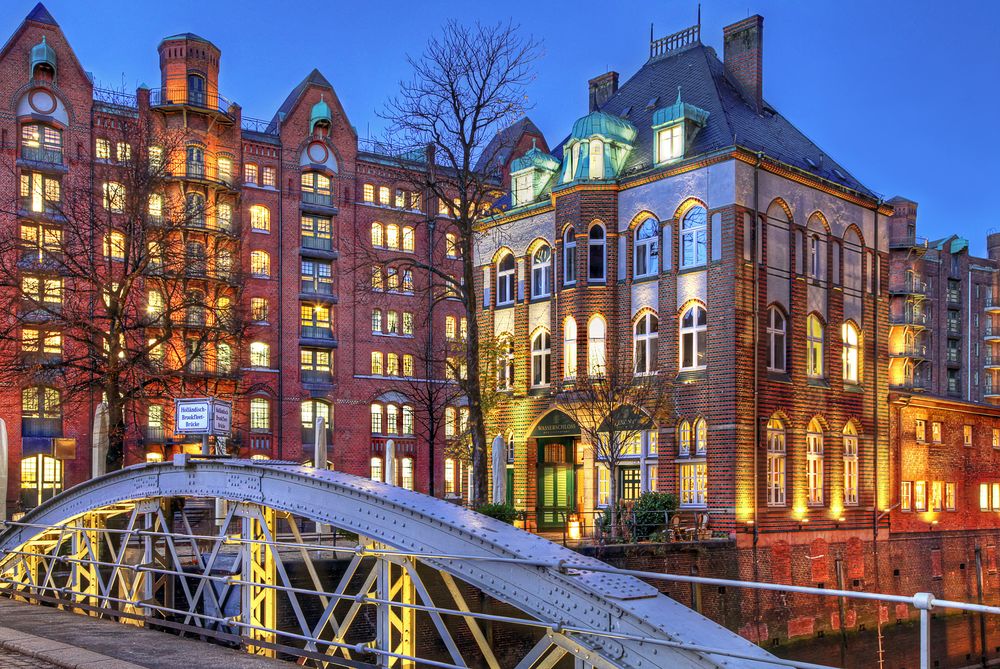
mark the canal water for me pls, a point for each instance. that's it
(957, 642)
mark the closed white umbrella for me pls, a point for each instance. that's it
(390, 461)
(99, 444)
(319, 443)
(499, 471)
(3, 469)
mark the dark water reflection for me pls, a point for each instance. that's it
(956, 642)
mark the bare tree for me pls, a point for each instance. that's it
(467, 86)
(613, 407)
(123, 285)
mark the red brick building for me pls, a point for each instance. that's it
(307, 213)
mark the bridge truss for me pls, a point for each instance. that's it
(418, 581)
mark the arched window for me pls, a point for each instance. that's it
(776, 341)
(260, 354)
(541, 354)
(451, 245)
(569, 256)
(569, 348)
(596, 159)
(694, 237)
(194, 209)
(505, 280)
(309, 411)
(814, 256)
(196, 89)
(391, 419)
(775, 462)
(541, 271)
(684, 439)
(700, 437)
(376, 414)
(392, 236)
(260, 218)
(505, 363)
(377, 234)
(814, 463)
(260, 264)
(41, 143)
(315, 188)
(195, 156)
(376, 469)
(41, 412)
(596, 253)
(647, 249)
(814, 347)
(407, 419)
(260, 415)
(850, 465)
(851, 353)
(694, 337)
(597, 332)
(224, 216)
(408, 242)
(645, 349)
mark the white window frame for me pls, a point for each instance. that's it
(851, 353)
(600, 244)
(814, 464)
(815, 344)
(569, 257)
(541, 359)
(506, 281)
(541, 271)
(670, 143)
(850, 465)
(777, 471)
(646, 249)
(694, 238)
(692, 342)
(645, 344)
(597, 346)
(777, 340)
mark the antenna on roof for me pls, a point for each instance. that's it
(699, 17)
(651, 32)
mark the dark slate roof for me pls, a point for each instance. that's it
(732, 121)
(188, 36)
(41, 15)
(498, 152)
(313, 78)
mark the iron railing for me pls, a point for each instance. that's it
(177, 93)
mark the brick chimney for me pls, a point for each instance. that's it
(744, 58)
(601, 89)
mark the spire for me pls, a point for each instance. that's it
(41, 15)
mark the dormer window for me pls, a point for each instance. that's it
(596, 159)
(670, 143)
(522, 189)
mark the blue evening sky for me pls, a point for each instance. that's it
(904, 93)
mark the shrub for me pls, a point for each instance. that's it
(503, 512)
(651, 510)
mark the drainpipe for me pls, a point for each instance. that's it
(755, 256)
(875, 382)
(969, 337)
(428, 348)
(281, 294)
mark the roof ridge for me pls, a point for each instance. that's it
(40, 14)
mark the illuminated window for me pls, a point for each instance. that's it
(937, 496)
(260, 218)
(155, 206)
(41, 479)
(114, 246)
(43, 342)
(250, 173)
(407, 322)
(603, 484)
(776, 462)
(505, 280)
(776, 340)
(569, 348)
(505, 363)
(154, 303)
(391, 419)
(920, 495)
(407, 365)
(378, 238)
(450, 327)
(123, 151)
(224, 166)
(269, 176)
(451, 245)
(260, 264)
(814, 347)
(392, 236)
(851, 353)
(450, 421)
(376, 467)
(368, 193)
(523, 189)
(920, 430)
(596, 346)
(376, 321)
(383, 195)
(936, 432)
(378, 278)
(102, 149)
(400, 201)
(407, 419)
(949, 496)
(258, 309)
(260, 415)
(260, 355)
(224, 216)
(645, 344)
(906, 496)
(850, 465)
(541, 272)
(996, 437)
(694, 237)
(377, 367)
(317, 232)
(406, 473)
(670, 143)
(569, 256)
(408, 242)
(694, 484)
(449, 477)
(596, 253)
(376, 414)
(223, 358)
(647, 249)
(392, 364)
(596, 159)
(155, 157)
(114, 196)
(967, 435)
(814, 463)
(541, 354)
(694, 338)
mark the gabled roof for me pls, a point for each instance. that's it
(731, 121)
(41, 15)
(498, 152)
(314, 78)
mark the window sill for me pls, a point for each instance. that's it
(779, 377)
(597, 282)
(692, 375)
(853, 387)
(818, 383)
(693, 268)
(536, 391)
(539, 298)
(505, 305)
(648, 278)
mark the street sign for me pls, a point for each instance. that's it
(202, 416)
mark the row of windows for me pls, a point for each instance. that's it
(777, 346)
(913, 496)
(392, 323)
(400, 199)
(920, 432)
(388, 364)
(815, 463)
(392, 236)
(392, 279)
(404, 472)
(254, 174)
(391, 418)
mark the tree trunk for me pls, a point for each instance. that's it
(116, 436)
(613, 497)
(473, 383)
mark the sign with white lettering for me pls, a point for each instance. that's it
(199, 416)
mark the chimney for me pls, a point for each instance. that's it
(744, 58)
(601, 89)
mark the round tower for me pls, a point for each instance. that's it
(993, 245)
(189, 72)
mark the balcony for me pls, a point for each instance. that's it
(154, 434)
(909, 286)
(991, 390)
(317, 290)
(991, 362)
(909, 385)
(320, 202)
(176, 94)
(992, 305)
(205, 171)
(318, 333)
(908, 242)
(315, 377)
(909, 319)
(30, 206)
(991, 333)
(41, 427)
(42, 157)
(915, 351)
(317, 243)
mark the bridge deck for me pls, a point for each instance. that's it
(146, 648)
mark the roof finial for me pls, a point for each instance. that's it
(533, 140)
(678, 95)
(699, 17)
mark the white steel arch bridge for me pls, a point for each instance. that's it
(421, 583)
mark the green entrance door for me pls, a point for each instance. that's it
(556, 483)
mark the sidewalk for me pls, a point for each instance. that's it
(72, 641)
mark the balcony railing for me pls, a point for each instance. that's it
(41, 427)
(176, 93)
(911, 351)
(319, 199)
(317, 287)
(908, 318)
(317, 332)
(154, 434)
(318, 243)
(41, 154)
(907, 242)
(202, 170)
(991, 361)
(908, 384)
(992, 303)
(48, 207)
(991, 332)
(908, 286)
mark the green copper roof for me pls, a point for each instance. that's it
(535, 157)
(43, 53)
(679, 111)
(320, 112)
(599, 123)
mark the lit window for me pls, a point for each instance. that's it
(260, 415)
(814, 346)
(647, 248)
(505, 280)
(376, 414)
(250, 173)
(114, 246)
(376, 321)
(596, 159)
(260, 355)
(694, 338)
(155, 206)
(400, 200)
(451, 245)
(45, 291)
(260, 264)
(505, 363)
(920, 495)
(408, 243)
(670, 143)
(114, 196)
(814, 463)
(996, 437)
(449, 477)
(123, 151)
(377, 367)
(391, 419)
(224, 216)
(569, 256)
(378, 278)
(407, 365)
(463, 328)
(154, 303)
(269, 176)
(850, 465)
(596, 348)
(368, 193)
(103, 149)
(775, 462)
(260, 218)
(851, 353)
(224, 358)
(920, 430)
(407, 419)
(450, 421)
(936, 432)
(645, 349)
(949, 496)
(694, 484)
(40, 341)
(376, 467)
(906, 496)
(596, 253)
(541, 272)
(694, 237)
(225, 169)
(258, 309)
(603, 484)
(406, 472)
(541, 354)
(378, 238)
(937, 496)
(392, 236)
(569, 348)
(155, 157)
(392, 322)
(967, 435)
(392, 364)
(383, 195)
(523, 190)
(776, 341)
